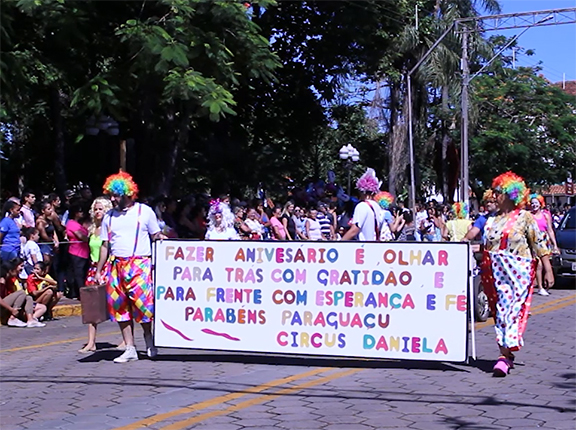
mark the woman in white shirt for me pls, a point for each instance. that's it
(313, 231)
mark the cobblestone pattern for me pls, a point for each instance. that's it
(54, 387)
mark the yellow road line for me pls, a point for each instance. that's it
(220, 399)
(57, 342)
(539, 309)
(260, 399)
(556, 307)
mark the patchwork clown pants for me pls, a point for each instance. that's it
(507, 281)
(130, 291)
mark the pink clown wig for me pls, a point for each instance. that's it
(513, 186)
(384, 199)
(121, 184)
(368, 182)
(539, 198)
(460, 210)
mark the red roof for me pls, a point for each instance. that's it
(569, 87)
(554, 190)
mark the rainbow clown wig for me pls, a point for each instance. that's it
(513, 186)
(539, 198)
(460, 210)
(368, 182)
(121, 184)
(384, 199)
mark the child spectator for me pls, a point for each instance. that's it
(15, 305)
(31, 252)
(43, 288)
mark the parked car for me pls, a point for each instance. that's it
(564, 264)
(480, 302)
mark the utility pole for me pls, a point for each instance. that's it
(464, 181)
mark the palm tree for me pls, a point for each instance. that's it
(435, 75)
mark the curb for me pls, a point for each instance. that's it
(67, 310)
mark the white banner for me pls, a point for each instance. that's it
(351, 299)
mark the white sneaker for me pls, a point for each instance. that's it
(543, 292)
(129, 355)
(15, 322)
(151, 350)
(35, 323)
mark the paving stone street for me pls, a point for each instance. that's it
(47, 384)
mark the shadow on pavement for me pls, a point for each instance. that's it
(224, 357)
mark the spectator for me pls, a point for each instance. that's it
(422, 224)
(184, 226)
(45, 225)
(15, 305)
(406, 231)
(288, 223)
(68, 195)
(300, 223)
(254, 224)
(79, 251)
(276, 226)
(31, 251)
(455, 229)
(10, 232)
(239, 224)
(168, 215)
(325, 222)
(43, 288)
(313, 228)
(28, 217)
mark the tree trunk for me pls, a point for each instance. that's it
(168, 169)
(57, 127)
(398, 151)
(445, 142)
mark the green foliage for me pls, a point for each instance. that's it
(527, 125)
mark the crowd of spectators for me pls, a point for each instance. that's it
(45, 250)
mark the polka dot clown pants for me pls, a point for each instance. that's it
(507, 281)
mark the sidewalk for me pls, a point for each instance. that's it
(67, 308)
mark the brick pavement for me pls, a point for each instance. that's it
(54, 387)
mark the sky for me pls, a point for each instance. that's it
(555, 45)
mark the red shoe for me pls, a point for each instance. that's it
(501, 367)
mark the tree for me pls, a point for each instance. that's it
(159, 67)
(527, 125)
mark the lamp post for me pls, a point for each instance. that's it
(349, 155)
(111, 127)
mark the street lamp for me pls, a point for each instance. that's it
(350, 155)
(111, 127)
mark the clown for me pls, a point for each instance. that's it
(221, 222)
(389, 226)
(455, 230)
(368, 217)
(127, 230)
(508, 266)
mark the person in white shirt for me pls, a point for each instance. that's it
(368, 217)
(127, 230)
(28, 218)
(31, 253)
